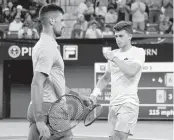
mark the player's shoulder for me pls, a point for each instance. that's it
(42, 44)
(138, 50)
(42, 48)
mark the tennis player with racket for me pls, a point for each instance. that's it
(124, 71)
(48, 84)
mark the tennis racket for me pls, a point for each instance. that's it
(93, 114)
(65, 113)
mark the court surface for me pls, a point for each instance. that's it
(17, 129)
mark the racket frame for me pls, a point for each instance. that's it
(90, 110)
(58, 100)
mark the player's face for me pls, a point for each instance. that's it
(58, 25)
(122, 38)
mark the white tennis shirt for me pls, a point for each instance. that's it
(47, 59)
(124, 88)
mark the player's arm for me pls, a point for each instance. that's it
(41, 71)
(130, 68)
(37, 99)
(103, 82)
(37, 95)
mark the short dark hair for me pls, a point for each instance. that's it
(124, 25)
(50, 8)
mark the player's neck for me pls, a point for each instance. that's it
(49, 32)
(126, 48)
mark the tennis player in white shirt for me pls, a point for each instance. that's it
(124, 72)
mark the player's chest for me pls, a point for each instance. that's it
(126, 58)
(58, 63)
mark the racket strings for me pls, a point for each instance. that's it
(65, 114)
(59, 118)
(75, 108)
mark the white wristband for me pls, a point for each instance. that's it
(96, 92)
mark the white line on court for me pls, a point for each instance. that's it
(155, 87)
(168, 105)
(78, 136)
(130, 138)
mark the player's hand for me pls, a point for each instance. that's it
(109, 55)
(43, 130)
(86, 100)
(93, 98)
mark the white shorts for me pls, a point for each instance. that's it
(124, 117)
